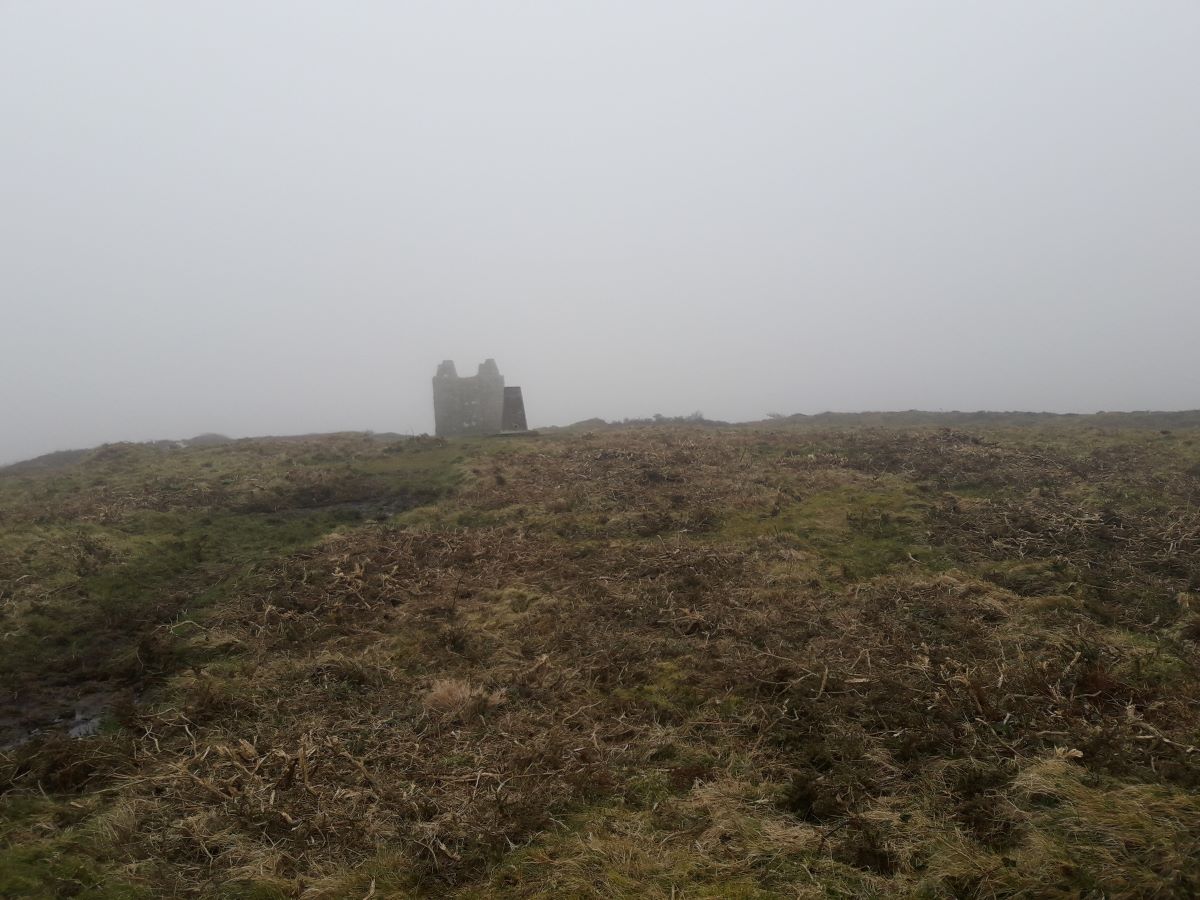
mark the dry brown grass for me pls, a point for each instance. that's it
(454, 698)
(688, 663)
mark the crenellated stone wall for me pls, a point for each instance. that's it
(475, 405)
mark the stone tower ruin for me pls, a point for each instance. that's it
(479, 404)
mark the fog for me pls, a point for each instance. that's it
(278, 217)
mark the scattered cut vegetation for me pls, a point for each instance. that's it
(673, 660)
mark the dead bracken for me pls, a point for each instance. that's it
(783, 660)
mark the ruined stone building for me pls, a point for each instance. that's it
(479, 404)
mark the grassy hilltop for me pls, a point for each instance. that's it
(810, 657)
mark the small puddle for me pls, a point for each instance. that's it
(80, 718)
(84, 725)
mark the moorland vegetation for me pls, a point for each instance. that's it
(798, 658)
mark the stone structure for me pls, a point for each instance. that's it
(513, 418)
(479, 404)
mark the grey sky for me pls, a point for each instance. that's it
(277, 217)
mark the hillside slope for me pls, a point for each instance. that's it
(782, 660)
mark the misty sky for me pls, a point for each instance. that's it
(278, 217)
